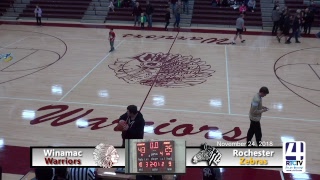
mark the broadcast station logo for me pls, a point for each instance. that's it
(209, 154)
(294, 157)
(105, 155)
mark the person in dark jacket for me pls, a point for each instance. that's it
(135, 124)
(149, 12)
(167, 18)
(295, 29)
(137, 10)
(309, 18)
(285, 25)
(177, 14)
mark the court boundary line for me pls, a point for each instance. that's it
(85, 76)
(159, 109)
(227, 76)
(4, 47)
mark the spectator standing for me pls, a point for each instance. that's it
(173, 5)
(38, 15)
(309, 18)
(149, 12)
(185, 6)
(167, 19)
(285, 26)
(137, 10)
(275, 18)
(143, 19)
(295, 29)
(177, 14)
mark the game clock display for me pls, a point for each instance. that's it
(155, 156)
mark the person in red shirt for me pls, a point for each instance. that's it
(112, 37)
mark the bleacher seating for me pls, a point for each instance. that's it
(125, 14)
(4, 5)
(293, 5)
(205, 13)
(62, 9)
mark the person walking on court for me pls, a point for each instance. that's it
(38, 15)
(295, 29)
(255, 114)
(112, 37)
(240, 28)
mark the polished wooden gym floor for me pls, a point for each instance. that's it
(185, 79)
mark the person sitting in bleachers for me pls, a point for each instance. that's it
(125, 3)
(251, 5)
(243, 9)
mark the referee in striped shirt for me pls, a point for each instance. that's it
(81, 174)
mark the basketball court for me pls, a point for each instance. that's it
(62, 87)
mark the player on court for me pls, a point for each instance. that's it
(112, 37)
(240, 28)
(255, 113)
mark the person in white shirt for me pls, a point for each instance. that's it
(38, 15)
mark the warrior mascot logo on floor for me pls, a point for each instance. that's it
(7, 57)
(209, 154)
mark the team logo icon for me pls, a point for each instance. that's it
(105, 155)
(162, 70)
(6, 57)
(209, 154)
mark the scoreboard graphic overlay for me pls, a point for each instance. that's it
(142, 156)
(155, 156)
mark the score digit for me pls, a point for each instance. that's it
(154, 145)
(142, 150)
(168, 148)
